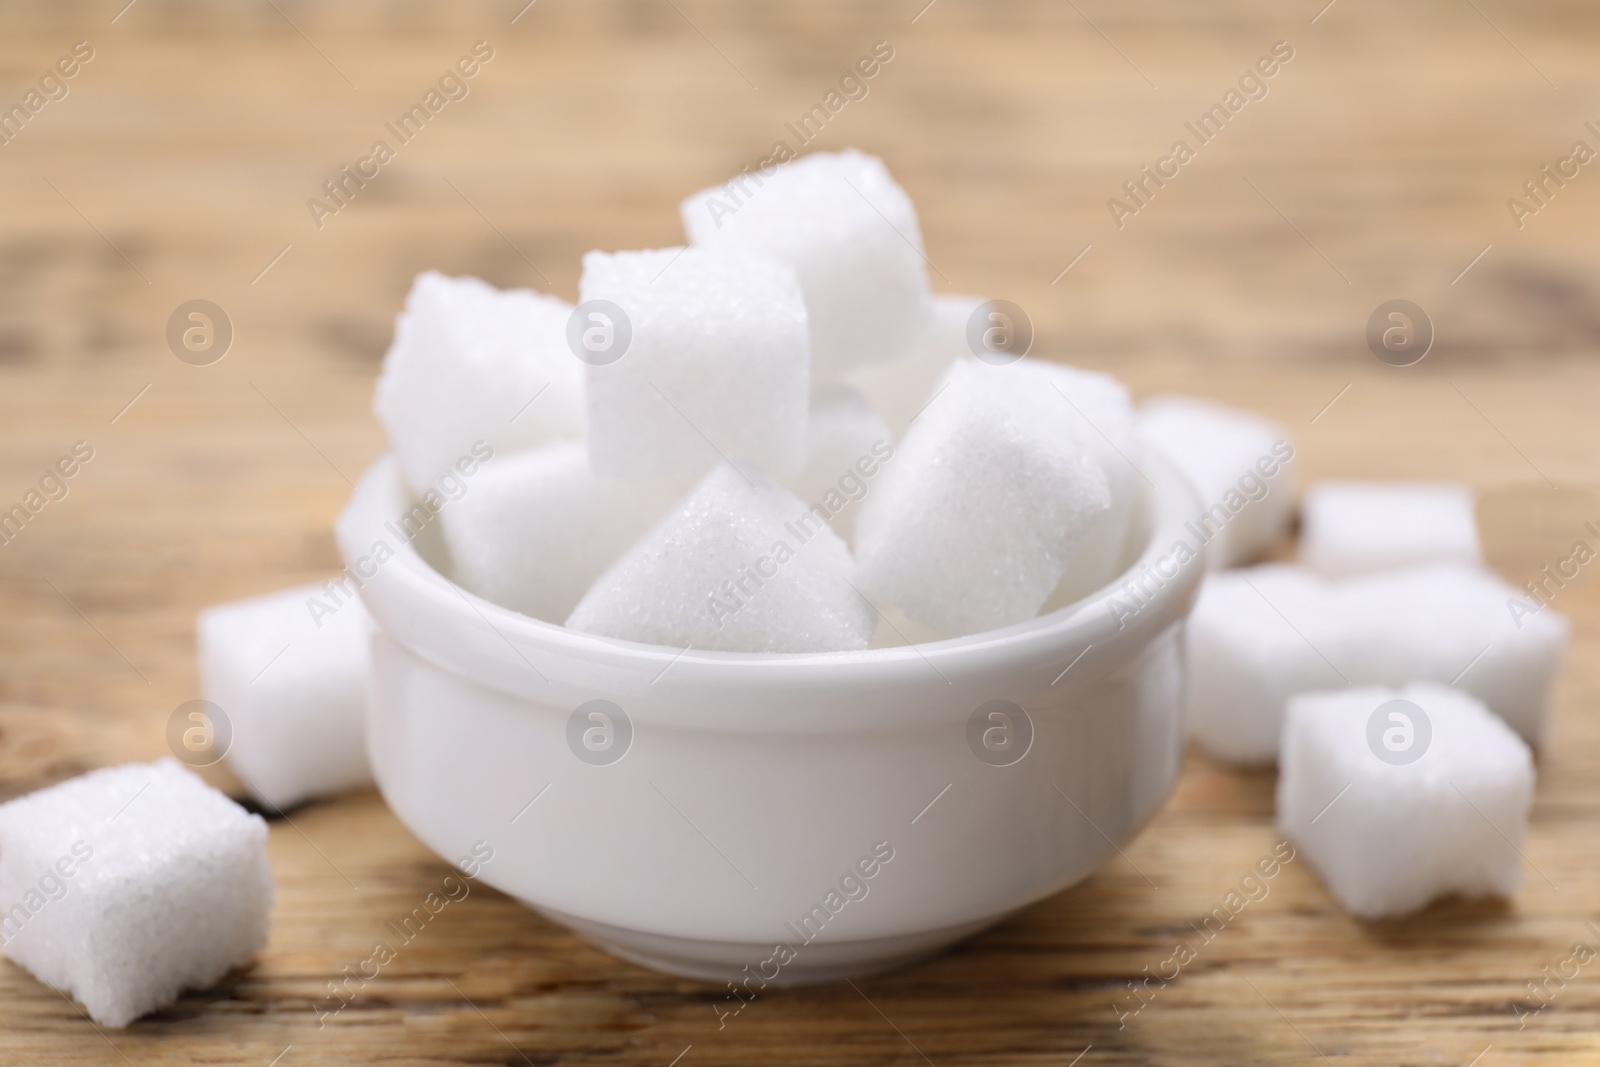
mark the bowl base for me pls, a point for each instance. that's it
(739, 961)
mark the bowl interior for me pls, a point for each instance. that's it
(433, 552)
(417, 605)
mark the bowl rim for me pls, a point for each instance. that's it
(1169, 503)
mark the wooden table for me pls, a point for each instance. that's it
(1378, 166)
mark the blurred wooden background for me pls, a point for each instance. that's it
(178, 167)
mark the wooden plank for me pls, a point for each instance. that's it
(1379, 164)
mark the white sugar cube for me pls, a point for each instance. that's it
(847, 445)
(127, 886)
(473, 363)
(1361, 527)
(740, 565)
(851, 235)
(1398, 796)
(899, 389)
(1101, 411)
(289, 671)
(1258, 636)
(1241, 466)
(717, 364)
(535, 529)
(987, 499)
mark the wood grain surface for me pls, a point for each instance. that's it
(1378, 165)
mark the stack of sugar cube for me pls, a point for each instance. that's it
(1390, 589)
(775, 433)
(684, 458)
(1259, 636)
(1390, 601)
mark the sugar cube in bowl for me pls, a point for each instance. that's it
(471, 363)
(984, 507)
(717, 363)
(851, 235)
(535, 529)
(740, 565)
(692, 809)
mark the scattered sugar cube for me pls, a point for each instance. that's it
(851, 235)
(739, 566)
(1401, 796)
(471, 362)
(899, 389)
(717, 364)
(987, 499)
(1258, 636)
(535, 529)
(847, 445)
(289, 670)
(1241, 466)
(128, 885)
(1361, 527)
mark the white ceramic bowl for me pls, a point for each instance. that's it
(735, 835)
